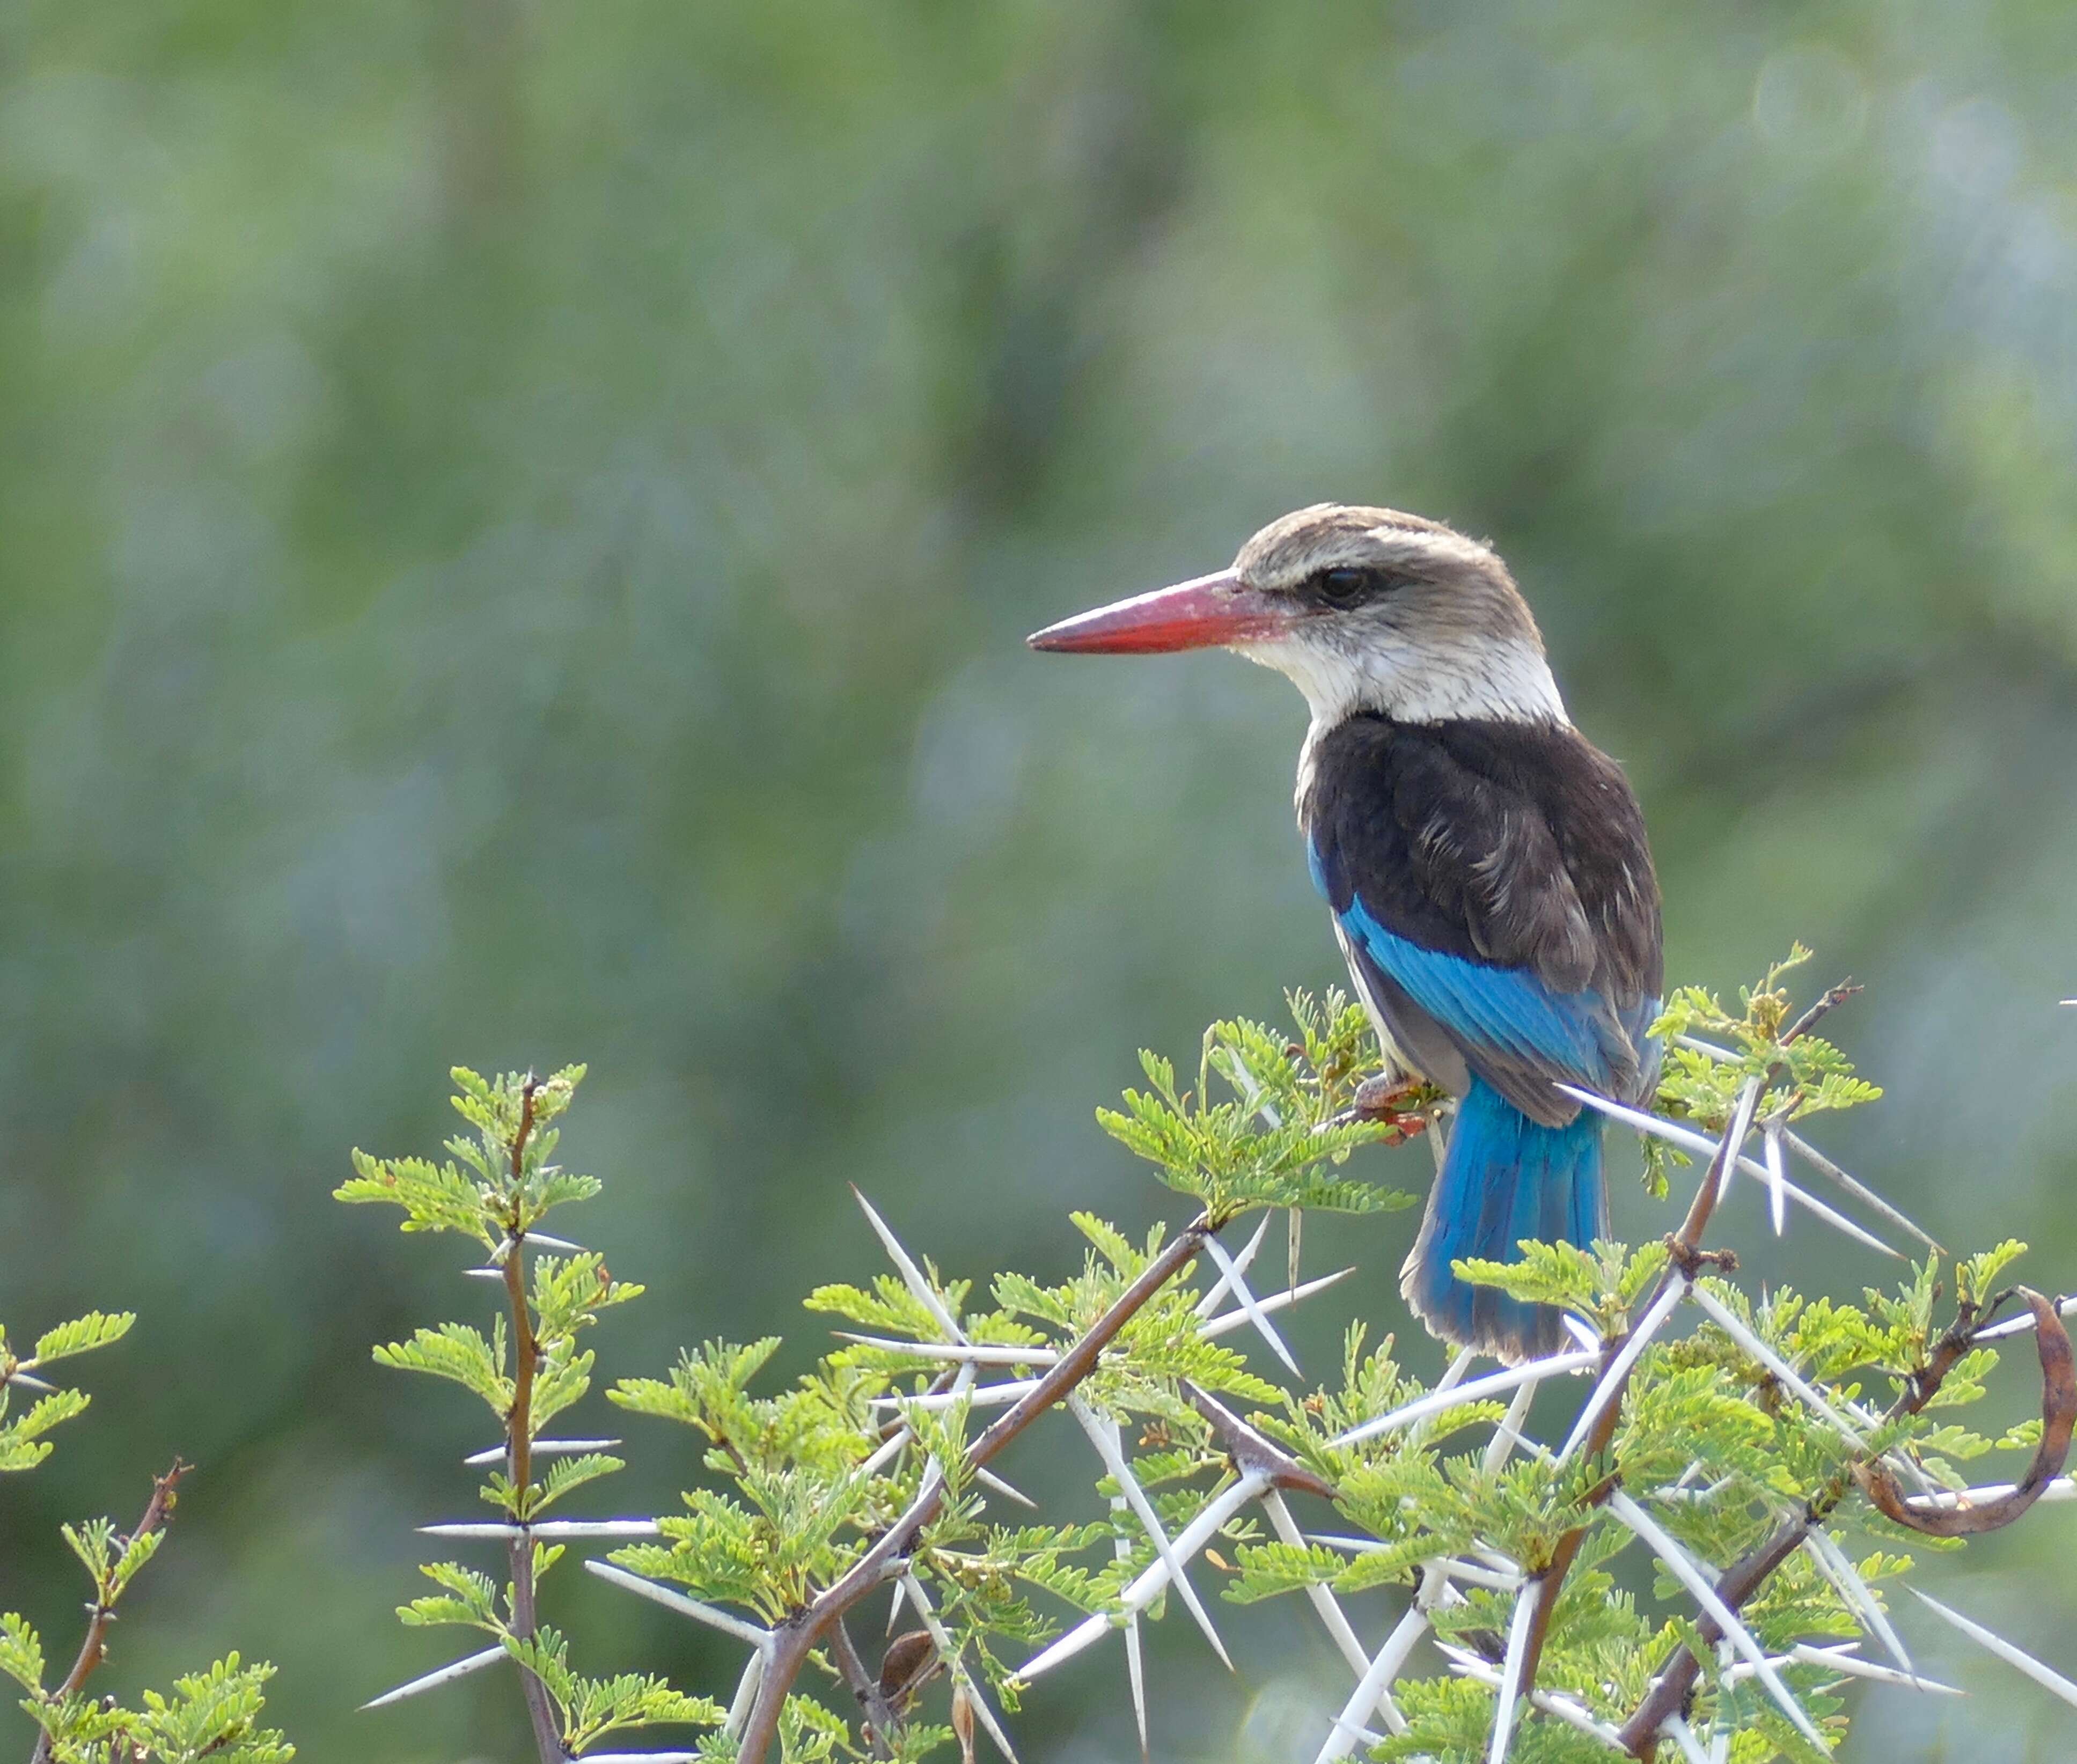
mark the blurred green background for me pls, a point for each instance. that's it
(516, 525)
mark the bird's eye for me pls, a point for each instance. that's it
(1342, 587)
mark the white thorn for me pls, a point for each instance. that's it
(950, 1656)
(1498, 1580)
(1732, 1147)
(1366, 1736)
(1573, 1714)
(1226, 1322)
(1437, 1401)
(1777, 1178)
(1246, 1300)
(1682, 1736)
(1509, 1433)
(447, 1674)
(1460, 1363)
(1728, 1320)
(1860, 1190)
(28, 1381)
(1147, 1587)
(976, 1354)
(1510, 1676)
(988, 1479)
(1840, 1660)
(911, 1275)
(549, 1528)
(2046, 1677)
(884, 1454)
(981, 1396)
(1608, 1386)
(1223, 1285)
(540, 1240)
(484, 1274)
(642, 1757)
(1136, 1663)
(1103, 1434)
(1702, 1145)
(712, 1615)
(1722, 1054)
(1135, 1673)
(596, 1528)
(1501, 1578)
(1846, 1579)
(543, 1448)
(2021, 1326)
(2061, 1489)
(1682, 1568)
(1373, 1689)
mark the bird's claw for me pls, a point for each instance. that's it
(1383, 1098)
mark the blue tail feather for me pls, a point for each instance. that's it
(1503, 1178)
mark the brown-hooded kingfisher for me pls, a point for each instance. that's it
(1487, 866)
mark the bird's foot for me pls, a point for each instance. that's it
(1386, 1098)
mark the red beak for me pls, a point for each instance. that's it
(1212, 609)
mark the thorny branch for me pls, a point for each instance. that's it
(1686, 1246)
(794, 1639)
(158, 1513)
(816, 1624)
(1744, 1578)
(519, 1444)
(2058, 1413)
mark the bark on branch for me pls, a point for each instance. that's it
(794, 1639)
(94, 1648)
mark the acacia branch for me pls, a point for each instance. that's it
(1685, 1245)
(1669, 1693)
(94, 1647)
(519, 1444)
(797, 1636)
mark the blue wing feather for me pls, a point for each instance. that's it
(1508, 1010)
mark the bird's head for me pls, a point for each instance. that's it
(1365, 610)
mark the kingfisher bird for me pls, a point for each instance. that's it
(1486, 865)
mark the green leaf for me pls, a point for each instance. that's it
(565, 1473)
(456, 1351)
(214, 1714)
(22, 1447)
(1270, 1144)
(21, 1652)
(470, 1598)
(82, 1335)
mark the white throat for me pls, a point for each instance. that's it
(1486, 681)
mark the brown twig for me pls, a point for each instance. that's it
(879, 1719)
(1685, 1247)
(797, 1636)
(519, 1444)
(1745, 1576)
(94, 1648)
